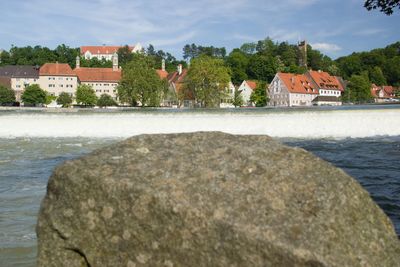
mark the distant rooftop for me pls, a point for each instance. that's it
(12, 71)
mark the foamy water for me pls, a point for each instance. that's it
(298, 124)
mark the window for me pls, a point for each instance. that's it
(61, 85)
(60, 78)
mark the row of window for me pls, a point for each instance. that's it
(26, 80)
(60, 79)
(104, 91)
(61, 85)
(104, 84)
(330, 92)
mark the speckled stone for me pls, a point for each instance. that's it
(209, 199)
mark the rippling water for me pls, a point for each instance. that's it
(30, 151)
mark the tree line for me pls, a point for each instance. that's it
(259, 60)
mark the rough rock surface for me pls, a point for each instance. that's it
(209, 199)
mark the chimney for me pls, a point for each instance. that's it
(180, 69)
(292, 79)
(78, 62)
(163, 65)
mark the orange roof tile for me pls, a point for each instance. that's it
(388, 91)
(162, 74)
(107, 50)
(56, 69)
(252, 84)
(174, 77)
(298, 83)
(98, 74)
(325, 81)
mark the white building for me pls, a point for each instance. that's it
(102, 80)
(56, 78)
(105, 52)
(289, 90)
(226, 101)
(330, 88)
(246, 89)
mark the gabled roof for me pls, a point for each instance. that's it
(56, 69)
(252, 84)
(12, 71)
(105, 50)
(297, 83)
(388, 91)
(174, 77)
(324, 80)
(162, 74)
(98, 74)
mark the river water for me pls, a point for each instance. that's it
(364, 141)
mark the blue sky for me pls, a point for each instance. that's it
(336, 27)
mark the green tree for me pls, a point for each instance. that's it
(392, 70)
(64, 99)
(385, 6)
(124, 55)
(237, 100)
(141, 84)
(238, 61)
(259, 96)
(206, 80)
(7, 95)
(34, 95)
(85, 95)
(262, 67)
(106, 101)
(358, 90)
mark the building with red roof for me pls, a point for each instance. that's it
(105, 51)
(311, 88)
(102, 80)
(246, 89)
(382, 93)
(288, 89)
(57, 77)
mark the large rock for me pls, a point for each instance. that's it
(209, 199)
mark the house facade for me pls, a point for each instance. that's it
(105, 52)
(102, 80)
(246, 89)
(382, 93)
(330, 88)
(291, 90)
(19, 78)
(56, 78)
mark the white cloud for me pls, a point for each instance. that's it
(326, 47)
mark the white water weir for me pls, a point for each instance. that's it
(309, 124)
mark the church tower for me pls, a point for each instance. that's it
(302, 53)
(78, 62)
(115, 61)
